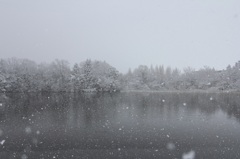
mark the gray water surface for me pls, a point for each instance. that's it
(120, 125)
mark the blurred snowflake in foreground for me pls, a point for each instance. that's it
(189, 155)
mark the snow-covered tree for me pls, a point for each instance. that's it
(2, 82)
(76, 77)
(60, 75)
(23, 75)
(87, 79)
(107, 77)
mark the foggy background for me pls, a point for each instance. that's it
(176, 33)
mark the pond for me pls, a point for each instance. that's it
(120, 125)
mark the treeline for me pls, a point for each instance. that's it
(23, 75)
(160, 78)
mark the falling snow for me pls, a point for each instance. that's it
(119, 124)
(170, 146)
(189, 155)
(24, 156)
(37, 132)
(2, 142)
(28, 130)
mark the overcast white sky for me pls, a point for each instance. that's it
(124, 33)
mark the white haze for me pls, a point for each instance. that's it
(126, 33)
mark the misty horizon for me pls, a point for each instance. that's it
(124, 33)
(129, 69)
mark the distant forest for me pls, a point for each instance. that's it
(23, 75)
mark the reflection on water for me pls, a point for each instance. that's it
(122, 125)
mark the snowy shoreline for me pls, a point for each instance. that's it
(182, 91)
